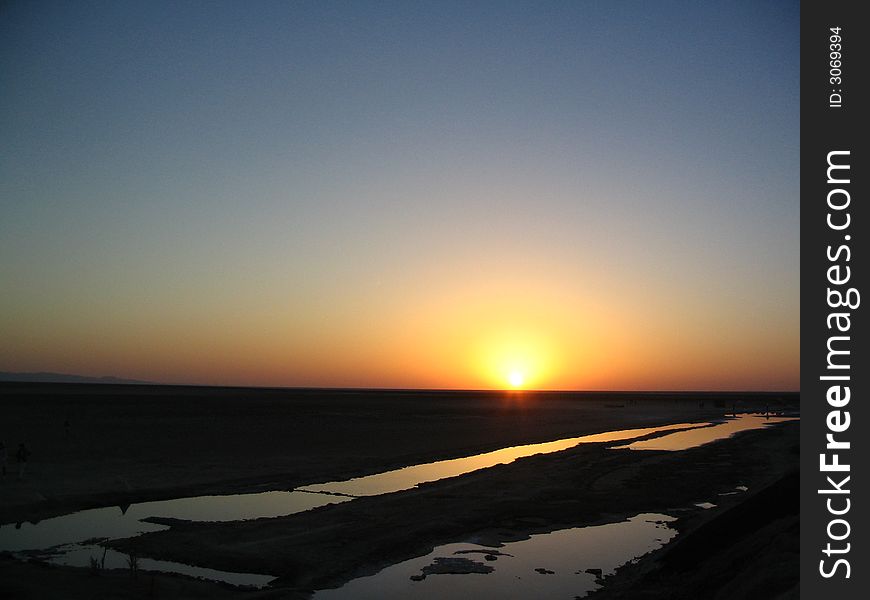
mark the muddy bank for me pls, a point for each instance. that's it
(585, 485)
(750, 550)
(41, 581)
(134, 443)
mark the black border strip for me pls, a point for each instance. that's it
(832, 120)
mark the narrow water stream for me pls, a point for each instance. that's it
(567, 564)
(691, 438)
(72, 539)
(408, 477)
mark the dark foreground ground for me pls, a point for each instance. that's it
(131, 443)
(750, 550)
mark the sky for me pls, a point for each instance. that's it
(553, 195)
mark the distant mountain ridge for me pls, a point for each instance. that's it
(44, 377)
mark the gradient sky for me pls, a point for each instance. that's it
(599, 195)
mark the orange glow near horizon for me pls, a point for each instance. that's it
(520, 359)
(445, 328)
(538, 338)
(516, 379)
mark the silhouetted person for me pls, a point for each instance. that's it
(21, 456)
(4, 457)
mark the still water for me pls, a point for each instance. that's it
(71, 539)
(115, 523)
(408, 477)
(552, 565)
(80, 555)
(683, 440)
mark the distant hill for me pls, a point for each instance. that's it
(62, 378)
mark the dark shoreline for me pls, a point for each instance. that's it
(132, 443)
(577, 487)
(342, 437)
(165, 389)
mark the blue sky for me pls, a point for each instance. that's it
(301, 170)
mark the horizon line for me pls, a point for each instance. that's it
(380, 389)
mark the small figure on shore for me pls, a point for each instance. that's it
(21, 456)
(4, 457)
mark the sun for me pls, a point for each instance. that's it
(516, 379)
(515, 360)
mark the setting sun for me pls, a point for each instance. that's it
(515, 357)
(516, 379)
(409, 232)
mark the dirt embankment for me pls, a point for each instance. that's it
(130, 443)
(750, 550)
(103, 445)
(330, 545)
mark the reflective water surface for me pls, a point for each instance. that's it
(408, 477)
(563, 564)
(62, 536)
(71, 539)
(113, 523)
(683, 440)
(80, 555)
